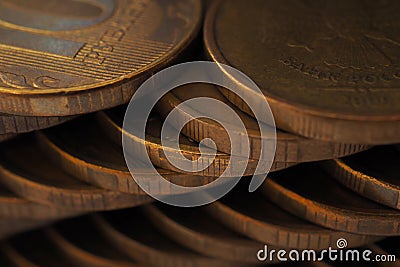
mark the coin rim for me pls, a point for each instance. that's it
(190, 35)
(277, 102)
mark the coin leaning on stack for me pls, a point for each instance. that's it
(329, 71)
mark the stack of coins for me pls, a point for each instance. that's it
(330, 72)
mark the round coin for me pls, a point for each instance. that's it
(10, 227)
(83, 150)
(290, 149)
(216, 165)
(329, 71)
(77, 57)
(374, 174)
(10, 124)
(81, 242)
(34, 249)
(254, 216)
(309, 193)
(13, 207)
(26, 171)
(196, 230)
(131, 233)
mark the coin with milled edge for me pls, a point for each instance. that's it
(10, 124)
(308, 192)
(290, 149)
(18, 208)
(27, 172)
(254, 216)
(75, 57)
(329, 70)
(374, 174)
(81, 242)
(132, 233)
(83, 150)
(214, 166)
(193, 228)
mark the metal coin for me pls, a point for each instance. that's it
(374, 174)
(81, 242)
(129, 232)
(254, 216)
(112, 122)
(311, 194)
(290, 149)
(77, 57)
(10, 124)
(83, 150)
(26, 171)
(13, 207)
(329, 71)
(196, 230)
(10, 227)
(35, 249)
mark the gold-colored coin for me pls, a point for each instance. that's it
(11, 124)
(309, 193)
(130, 232)
(84, 151)
(216, 164)
(82, 242)
(254, 216)
(329, 70)
(373, 174)
(35, 249)
(28, 173)
(13, 207)
(195, 229)
(71, 57)
(290, 149)
(10, 227)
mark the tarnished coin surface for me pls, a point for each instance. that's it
(72, 57)
(258, 218)
(290, 149)
(81, 242)
(83, 150)
(22, 251)
(10, 227)
(198, 231)
(329, 70)
(132, 233)
(215, 165)
(11, 124)
(308, 192)
(26, 171)
(13, 207)
(373, 174)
